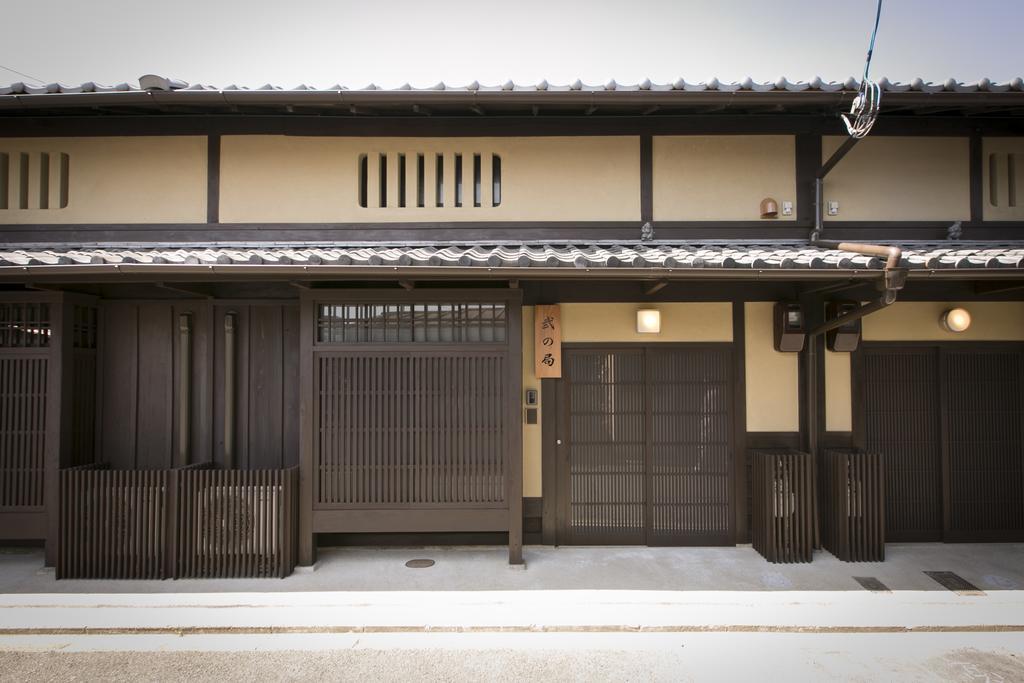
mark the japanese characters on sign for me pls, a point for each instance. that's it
(547, 349)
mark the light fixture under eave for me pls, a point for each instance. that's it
(955, 320)
(648, 321)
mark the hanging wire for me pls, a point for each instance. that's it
(864, 109)
(15, 71)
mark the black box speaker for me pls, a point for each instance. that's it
(845, 338)
(790, 327)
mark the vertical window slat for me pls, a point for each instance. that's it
(495, 180)
(44, 181)
(23, 177)
(5, 176)
(439, 180)
(65, 180)
(993, 179)
(476, 181)
(1011, 180)
(420, 181)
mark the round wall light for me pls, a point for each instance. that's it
(648, 321)
(955, 320)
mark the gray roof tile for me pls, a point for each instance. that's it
(747, 84)
(787, 255)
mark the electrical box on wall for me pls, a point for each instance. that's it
(842, 339)
(530, 399)
(790, 327)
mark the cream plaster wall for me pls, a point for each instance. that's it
(1001, 209)
(773, 395)
(838, 393)
(888, 178)
(919, 321)
(113, 179)
(680, 322)
(315, 179)
(532, 451)
(722, 177)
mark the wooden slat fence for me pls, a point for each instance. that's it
(113, 524)
(23, 382)
(187, 523)
(234, 523)
(853, 524)
(783, 492)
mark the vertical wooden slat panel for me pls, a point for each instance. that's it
(902, 416)
(23, 400)
(782, 505)
(986, 470)
(410, 429)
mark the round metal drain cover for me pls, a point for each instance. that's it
(419, 564)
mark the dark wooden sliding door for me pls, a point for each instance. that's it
(646, 453)
(948, 422)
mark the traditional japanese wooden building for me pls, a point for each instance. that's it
(236, 321)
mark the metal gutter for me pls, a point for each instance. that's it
(199, 272)
(584, 97)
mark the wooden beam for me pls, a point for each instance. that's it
(997, 287)
(203, 292)
(833, 287)
(360, 111)
(653, 289)
(40, 287)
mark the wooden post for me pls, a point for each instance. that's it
(307, 322)
(514, 475)
(58, 416)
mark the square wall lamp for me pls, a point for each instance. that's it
(648, 321)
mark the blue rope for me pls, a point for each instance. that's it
(871, 46)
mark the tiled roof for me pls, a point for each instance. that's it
(714, 85)
(777, 256)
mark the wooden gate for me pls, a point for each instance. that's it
(947, 420)
(415, 413)
(646, 446)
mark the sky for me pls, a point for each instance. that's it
(422, 42)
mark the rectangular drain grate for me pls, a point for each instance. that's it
(955, 583)
(872, 584)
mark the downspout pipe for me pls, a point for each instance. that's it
(894, 278)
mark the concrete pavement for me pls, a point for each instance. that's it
(469, 568)
(576, 614)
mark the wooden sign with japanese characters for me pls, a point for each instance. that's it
(547, 348)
